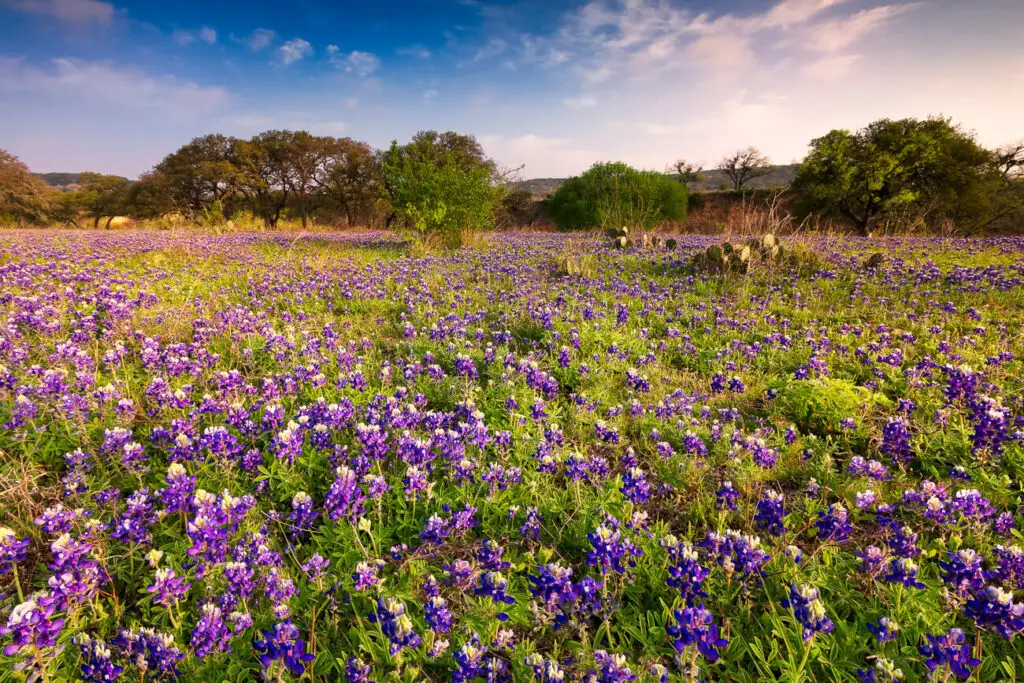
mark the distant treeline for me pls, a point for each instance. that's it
(893, 174)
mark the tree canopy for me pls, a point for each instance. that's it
(899, 171)
(615, 195)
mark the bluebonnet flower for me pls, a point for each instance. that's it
(303, 516)
(896, 440)
(726, 496)
(345, 499)
(97, 660)
(495, 586)
(32, 627)
(635, 487)
(884, 630)
(949, 650)
(1009, 562)
(685, 571)
(395, 624)
(282, 642)
(150, 650)
(696, 626)
(532, 526)
(168, 587)
(833, 524)
(357, 672)
(770, 514)
(737, 552)
(613, 668)
(469, 660)
(438, 616)
(994, 608)
(490, 555)
(963, 571)
(903, 570)
(610, 549)
(177, 495)
(211, 635)
(365, 575)
(809, 610)
(884, 671)
(12, 549)
(544, 670)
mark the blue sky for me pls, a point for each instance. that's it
(553, 85)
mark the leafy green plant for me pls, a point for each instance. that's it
(615, 195)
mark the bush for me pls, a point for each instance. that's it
(616, 195)
(818, 406)
(440, 197)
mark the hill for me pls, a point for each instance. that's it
(59, 179)
(781, 176)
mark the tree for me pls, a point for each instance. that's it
(615, 195)
(24, 197)
(745, 165)
(102, 196)
(899, 171)
(264, 166)
(441, 184)
(201, 173)
(353, 179)
(687, 172)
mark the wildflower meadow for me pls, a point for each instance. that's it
(325, 457)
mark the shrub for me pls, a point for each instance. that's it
(438, 196)
(615, 195)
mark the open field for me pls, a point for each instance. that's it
(230, 456)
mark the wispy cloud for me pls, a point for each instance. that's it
(361, 64)
(638, 37)
(114, 86)
(205, 34)
(581, 102)
(416, 51)
(74, 11)
(293, 51)
(260, 39)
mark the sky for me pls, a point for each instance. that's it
(551, 86)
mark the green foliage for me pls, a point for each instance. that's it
(898, 172)
(439, 192)
(614, 195)
(817, 406)
(102, 195)
(23, 197)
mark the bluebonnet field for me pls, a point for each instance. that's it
(243, 456)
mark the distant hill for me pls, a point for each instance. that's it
(59, 179)
(781, 176)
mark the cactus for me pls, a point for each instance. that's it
(741, 258)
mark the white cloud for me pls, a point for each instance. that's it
(493, 48)
(361, 64)
(293, 51)
(205, 34)
(637, 38)
(111, 85)
(830, 69)
(73, 11)
(839, 34)
(260, 39)
(724, 52)
(417, 51)
(581, 102)
(539, 154)
(429, 95)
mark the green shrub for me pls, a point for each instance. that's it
(817, 406)
(615, 195)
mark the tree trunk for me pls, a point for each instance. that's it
(96, 222)
(348, 215)
(110, 219)
(389, 220)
